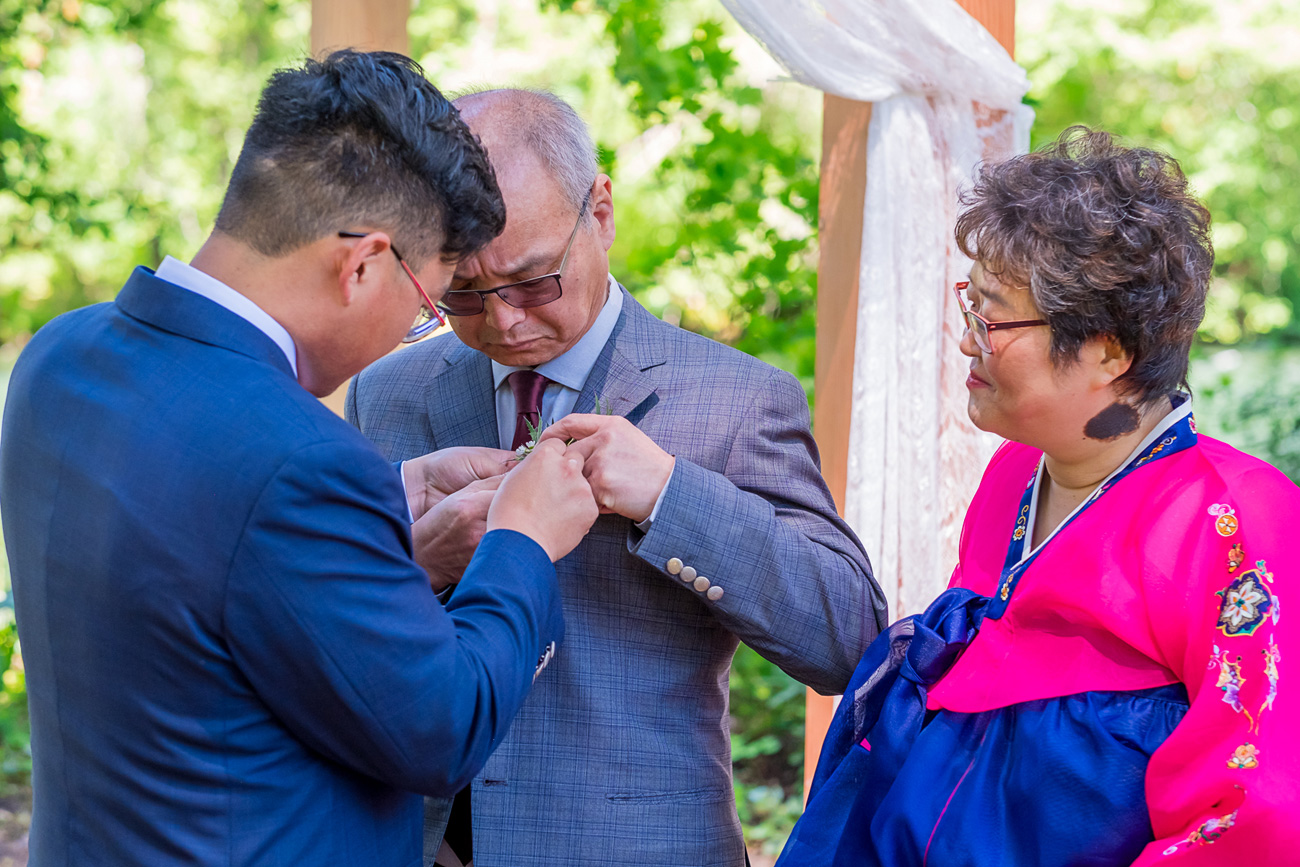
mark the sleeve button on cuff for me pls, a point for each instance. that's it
(688, 574)
(701, 584)
(715, 593)
(674, 566)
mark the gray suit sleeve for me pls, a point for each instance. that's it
(350, 403)
(795, 581)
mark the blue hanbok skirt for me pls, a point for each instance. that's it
(1058, 781)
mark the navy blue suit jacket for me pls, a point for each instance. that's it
(231, 656)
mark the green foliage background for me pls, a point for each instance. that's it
(120, 119)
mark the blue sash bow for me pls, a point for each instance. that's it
(875, 726)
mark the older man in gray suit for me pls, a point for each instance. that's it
(717, 524)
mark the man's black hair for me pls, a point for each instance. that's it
(361, 141)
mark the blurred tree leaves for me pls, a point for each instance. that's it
(119, 121)
(746, 177)
(1251, 398)
(767, 738)
(1218, 86)
(15, 734)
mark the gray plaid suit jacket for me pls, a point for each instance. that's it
(621, 754)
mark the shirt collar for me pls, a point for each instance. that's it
(572, 368)
(188, 277)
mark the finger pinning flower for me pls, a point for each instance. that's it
(603, 407)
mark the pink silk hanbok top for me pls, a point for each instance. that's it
(1178, 572)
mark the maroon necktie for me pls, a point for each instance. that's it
(528, 386)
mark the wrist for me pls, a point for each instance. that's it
(440, 582)
(651, 505)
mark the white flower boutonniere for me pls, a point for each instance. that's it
(534, 434)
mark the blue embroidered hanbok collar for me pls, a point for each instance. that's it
(1175, 432)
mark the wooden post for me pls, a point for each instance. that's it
(372, 25)
(998, 18)
(843, 188)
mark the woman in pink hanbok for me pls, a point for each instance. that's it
(1103, 681)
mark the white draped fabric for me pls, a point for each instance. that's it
(946, 96)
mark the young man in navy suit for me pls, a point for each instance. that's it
(231, 656)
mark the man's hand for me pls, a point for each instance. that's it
(547, 499)
(432, 478)
(625, 468)
(446, 536)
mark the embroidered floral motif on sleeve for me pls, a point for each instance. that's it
(1208, 832)
(1246, 602)
(1231, 681)
(1243, 758)
(1235, 557)
(1263, 570)
(1272, 656)
(1225, 519)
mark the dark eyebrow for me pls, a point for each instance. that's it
(988, 294)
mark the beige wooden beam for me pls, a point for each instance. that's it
(371, 25)
(998, 18)
(839, 221)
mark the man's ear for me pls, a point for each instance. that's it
(602, 209)
(358, 263)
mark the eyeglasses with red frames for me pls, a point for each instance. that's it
(521, 295)
(429, 318)
(980, 328)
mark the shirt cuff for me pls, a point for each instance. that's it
(644, 526)
(410, 516)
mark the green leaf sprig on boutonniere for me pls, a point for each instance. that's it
(535, 433)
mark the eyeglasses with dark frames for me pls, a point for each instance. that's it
(429, 318)
(521, 295)
(980, 328)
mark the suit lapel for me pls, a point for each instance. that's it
(619, 376)
(461, 401)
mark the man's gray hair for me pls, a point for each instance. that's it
(550, 128)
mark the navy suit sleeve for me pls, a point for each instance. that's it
(337, 630)
(796, 583)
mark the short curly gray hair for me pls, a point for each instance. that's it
(1108, 239)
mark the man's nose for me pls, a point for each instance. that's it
(500, 315)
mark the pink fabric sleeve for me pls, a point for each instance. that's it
(1225, 787)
